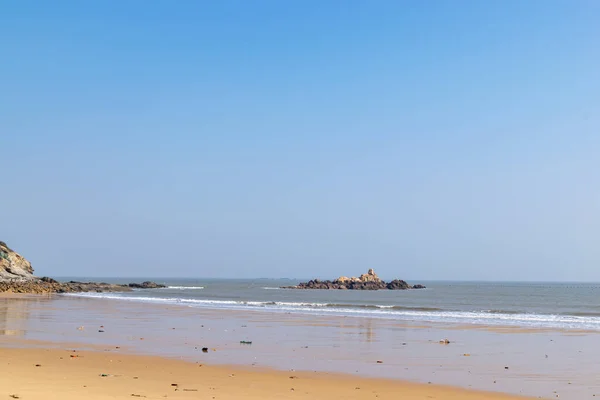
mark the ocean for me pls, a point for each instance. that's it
(572, 306)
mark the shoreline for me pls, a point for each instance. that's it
(475, 358)
(418, 324)
(73, 374)
(318, 310)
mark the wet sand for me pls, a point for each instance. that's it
(41, 374)
(540, 363)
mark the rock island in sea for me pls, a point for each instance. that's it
(16, 276)
(368, 281)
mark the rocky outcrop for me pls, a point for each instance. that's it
(398, 284)
(48, 285)
(16, 276)
(368, 281)
(146, 285)
(13, 266)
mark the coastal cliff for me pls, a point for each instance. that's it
(368, 281)
(16, 276)
(14, 266)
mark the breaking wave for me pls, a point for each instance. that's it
(401, 313)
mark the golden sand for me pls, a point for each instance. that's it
(45, 374)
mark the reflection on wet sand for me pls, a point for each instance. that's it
(13, 317)
(15, 313)
(368, 331)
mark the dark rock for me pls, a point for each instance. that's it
(146, 285)
(367, 285)
(418, 287)
(398, 284)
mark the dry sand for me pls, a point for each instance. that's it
(45, 374)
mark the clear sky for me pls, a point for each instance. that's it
(426, 139)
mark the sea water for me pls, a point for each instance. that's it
(573, 306)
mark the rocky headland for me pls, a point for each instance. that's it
(368, 281)
(16, 276)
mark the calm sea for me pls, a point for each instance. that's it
(544, 305)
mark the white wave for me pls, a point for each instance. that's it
(380, 311)
(114, 296)
(271, 288)
(286, 304)
(185, 287)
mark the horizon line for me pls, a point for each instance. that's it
(307, 279)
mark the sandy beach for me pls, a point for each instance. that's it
(159, 345)
(65, 374)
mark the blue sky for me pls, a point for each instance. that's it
(425, 139)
